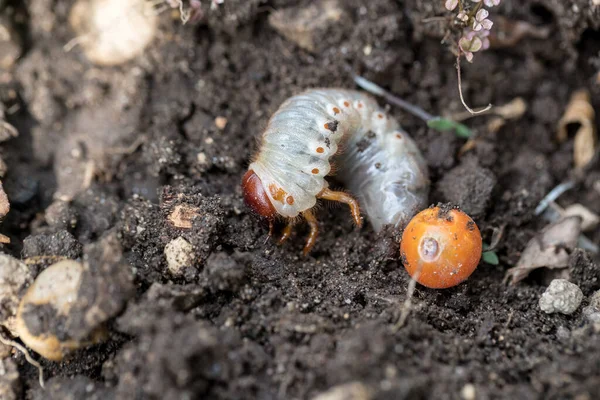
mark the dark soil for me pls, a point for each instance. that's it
(254, 320)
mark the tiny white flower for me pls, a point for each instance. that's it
(451, 4)
(491, 3)
(481, 21)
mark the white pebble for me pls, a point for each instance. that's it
(112, 32)
(468, 392)
(55, 287)
(14, 277)
(592, 311)
(180, 255)
(561, 296)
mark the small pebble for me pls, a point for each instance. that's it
(4, 203)
(592, 311)
(468, 392)
(112, 32)
(60, 215)
(56, 288)
(14, 277)
(10, 383)
(561, 296)
(346, 391)
(220, 123)
(180, 256)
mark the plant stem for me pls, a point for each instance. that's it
(460, 92)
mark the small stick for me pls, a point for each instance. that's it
(395, 100)
(29, 359)
(551, 214)
(553, 195)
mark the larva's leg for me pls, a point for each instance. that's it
(271, 225)
(314, 230)
(287, 231)
(344, 198)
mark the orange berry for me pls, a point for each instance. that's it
(441, 248)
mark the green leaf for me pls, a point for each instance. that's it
(463, 131)
(490, 257)
(441, 124)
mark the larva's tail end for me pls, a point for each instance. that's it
(256, 197)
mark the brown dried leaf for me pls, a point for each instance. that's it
(589, 219)
(508, 33)
(580, 115)
(512, 110)
(547, 249)
(182, 216)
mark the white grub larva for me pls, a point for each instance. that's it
(379, 164)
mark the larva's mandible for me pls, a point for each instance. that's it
(380, 164)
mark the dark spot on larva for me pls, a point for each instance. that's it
(380, 116)
(362, 145)
(336, 110)
(332, 126)
(398, 136)
(359, 105)
(470, 226)
(289, 200)
(371, 134)
(378, 165)
(315, 171)
(327, 142)
(320, 150)
(346, 104)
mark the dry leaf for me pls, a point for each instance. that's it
(182, 216)
(513, 110)
(547, 249)
(508, 33)
(580, 115)
(589, 219)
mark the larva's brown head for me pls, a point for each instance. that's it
(255, 196)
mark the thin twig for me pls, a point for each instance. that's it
(553, 195)
(460, 92)
(29, 359)
(397, 101)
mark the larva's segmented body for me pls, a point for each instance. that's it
(380, 164)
